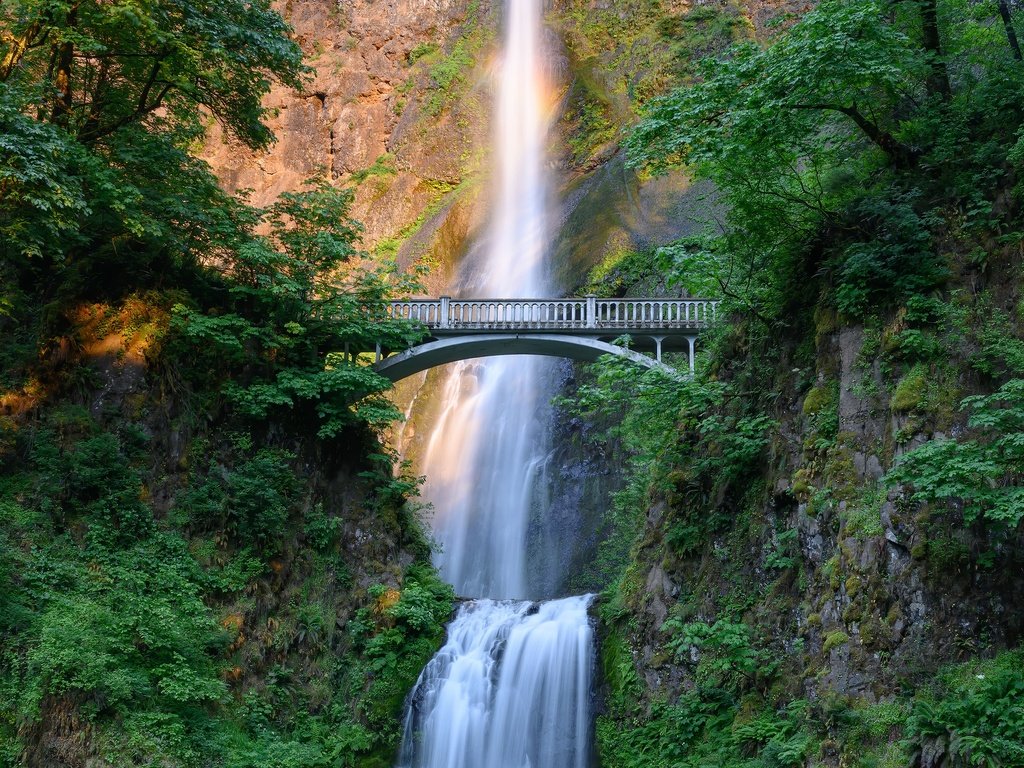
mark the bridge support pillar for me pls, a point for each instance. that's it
(693, 366)
(442, 321)
(376, 353)
(657, 347)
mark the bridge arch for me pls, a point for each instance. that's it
(452, 349)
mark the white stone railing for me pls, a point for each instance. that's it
(583, 314)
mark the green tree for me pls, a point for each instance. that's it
(302, 303)
(864, 115)
(99, 104)
(95, 67)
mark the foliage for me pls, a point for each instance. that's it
(849, 169)
(99, 103)
(662, 422)
(974, 714)
(894, 262)
(173, 578)
(393, 641)
(982, 474)
(864, 157)
(449, 70)
(705, 725)
(693, 264)
(101, 66)
(724, 649)
(294, 309)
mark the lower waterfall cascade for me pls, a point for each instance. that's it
(510, 689)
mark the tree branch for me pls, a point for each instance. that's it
(900, 154)
(19, 45)
(92, 131)
(1011, 33)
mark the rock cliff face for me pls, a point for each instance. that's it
(887, 591)
(395, 108)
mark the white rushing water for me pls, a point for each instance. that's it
(511, 687)
(482, 459)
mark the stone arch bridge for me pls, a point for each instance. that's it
(577, 328)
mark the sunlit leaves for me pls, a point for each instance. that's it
(304, 303)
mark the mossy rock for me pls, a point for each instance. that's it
(910, 391)
(834, 640)
(853, 584)
(820, 397)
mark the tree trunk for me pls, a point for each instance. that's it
(65, 56)
(61, 61)
(19, 45)
(1011, 33)
(938, 79)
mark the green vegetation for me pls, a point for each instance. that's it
(982, 474)
(187, 438)
(667, 423)
(873, 213)
(843, 153)
(448, 70)
(971, 711)
(625, 54)
(382, 166)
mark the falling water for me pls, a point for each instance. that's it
(511, 687)
(486, 448)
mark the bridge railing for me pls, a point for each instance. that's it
(446, 313)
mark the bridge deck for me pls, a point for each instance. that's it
(587, 316)
(580, 329)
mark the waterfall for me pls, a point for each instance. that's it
(487, 446)
(511, 687)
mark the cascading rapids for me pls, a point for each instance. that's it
(511, 688)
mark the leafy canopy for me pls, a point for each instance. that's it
(100, 103)
(833, 145)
